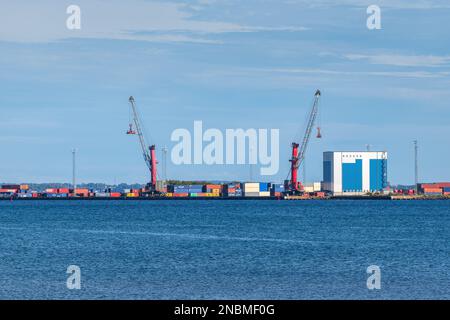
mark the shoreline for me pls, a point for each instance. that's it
(336, 198)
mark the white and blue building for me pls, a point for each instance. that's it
(354, 172)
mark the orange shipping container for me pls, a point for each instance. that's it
(24, 187)
(63, 190)
(432, 190)
(213, 186)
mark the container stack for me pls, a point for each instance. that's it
(56, 193)
(232, 190)
(434, 189)
(446, 191)
(312, 187)
(256, 189)
(214, 189)
(277, 190)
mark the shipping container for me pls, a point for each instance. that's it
(264, 186)
(308, 188)
(25, 195)
(320, 194)
(317, 186)
(115, 194)
(433, 193)
(51, 190)
(432, 190)
(24, 187)
(11, 186)
(181, 194)
(435, 185)
(251, 194)
(8, 190)
(63, 190)
(446, 189)
(102, 194)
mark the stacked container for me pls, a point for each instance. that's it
(255, 189)
(277, 190)
(446, 191)
(232, 190)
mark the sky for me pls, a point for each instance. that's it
(230, 64)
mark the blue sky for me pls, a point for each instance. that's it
(231, 64)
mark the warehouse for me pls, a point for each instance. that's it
(354, 172)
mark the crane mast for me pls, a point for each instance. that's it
(148, 153)
(299, 151)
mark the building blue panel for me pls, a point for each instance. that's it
(352, 176)
(376, 174)
(327, 174)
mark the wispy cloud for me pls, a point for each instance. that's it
(45, 21)
(390, 4)
(402, 60)
(397, 74)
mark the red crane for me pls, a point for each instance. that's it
(148, 152)
(298, 155)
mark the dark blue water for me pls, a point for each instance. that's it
(225, 249)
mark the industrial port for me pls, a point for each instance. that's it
(346, 175)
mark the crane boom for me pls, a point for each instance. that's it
(147, 152)
(298, 155)
(311, 121)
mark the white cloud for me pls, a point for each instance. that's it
(388, 4)
(402, 60)
(45, 21)
(397, 74)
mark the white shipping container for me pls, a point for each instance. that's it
(264, 194)
(317, 186)
(308, 189)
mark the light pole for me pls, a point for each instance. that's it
(416, 165)
(74, 185)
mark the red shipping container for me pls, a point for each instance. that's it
(320, 194)
(180, 195)
(63, 190)
(435, 185)
(51, 190)
(443, 184)
(8, 190)
(116, 194)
